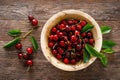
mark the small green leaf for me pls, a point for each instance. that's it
(86, 56)
(105, 29)
(34, 43)
(12, 43)
(87, 28)
(95, 53)
(104, 60)
(108, 50)
(108, 44)
(14, 32)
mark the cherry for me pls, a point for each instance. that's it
(65, 38)
(73, 61)
(54, 52)
(58, 56)
(54, 30)
(66, 61)
(91, 41)
(83, 34)
(70, 22)
(55, 37)
(78, 47)
(26, 56)
(79, 27)
(51, 37)
(29, 50)
(62, 43)
(30, 17)
(79, 41)
(20, 55)
(73, 38)
(62, 27)
(75, 21)
(64, 22)
(89, 34)
(51, 44)
(60, 50)
(18, 46)
(34, 22)
(69, 48)
(86, 40)
(29, 62)
(72, 28)
(77, 33)
(67, 54)
(83, 23)
(67, 28)
(60, 34)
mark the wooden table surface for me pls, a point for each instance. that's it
(13, 15)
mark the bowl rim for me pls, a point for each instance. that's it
(51, 58)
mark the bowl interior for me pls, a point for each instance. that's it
(55, 19)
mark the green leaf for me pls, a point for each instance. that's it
(105, 29)
(104, 60)
(14, 32)
(86, 56)
(34, 43)
(95, 53)
(108, 50)
(12, 43)
(108, 44)
(87, 28)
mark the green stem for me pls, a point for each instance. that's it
(28, 33)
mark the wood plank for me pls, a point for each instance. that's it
(100, 10)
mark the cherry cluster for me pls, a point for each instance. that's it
(67, 41)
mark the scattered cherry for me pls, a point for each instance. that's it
(34, 22)
(18, 46)
(29, 62)
(30, 17)
(29, 50)
(20, 55)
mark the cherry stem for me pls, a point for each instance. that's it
(28, 69)
(28, 33)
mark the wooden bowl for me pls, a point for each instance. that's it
(55, 19)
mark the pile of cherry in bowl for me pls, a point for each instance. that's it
(67, 41)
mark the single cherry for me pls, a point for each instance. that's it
(79, 27)
(29, 62)
(58, 56)
(83, 34)
(25, 56)
(77, 32)
(62, 43)
(83, 23)
(29, 50)
(20, 55)
(60, 50)
(66, 60)
(34, 22)
(55, 37)
(72, 28)
(73, 61)
(30, 17)
(60, 34)
(54, 52)
(73, 38)
(54, 30)
(18, 46)
(51, 37)
(51, 44)
(91, 41)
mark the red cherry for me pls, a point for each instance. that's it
(58, 56)
(86, 40)
(51, 37)
(77, 33)
(54, 52)
(55, 37)
(67, 28)
(62, 27)
(34, 22)
(91, 41)
(79, 27)
(75, 21)
(83, 23)
(29, 62)
(30, 17)
(54, 30)
(60, 34)
(60, 51)
(20, 55)
(72, 28)
(64, 22)
(29, 50)
(62, 43)
(66, 61)
(89, 34)
(51, 44)
(26, 56)
(73, 61)
(73, 38)
(78, 47)
(79, 41)
(18, 46)
(83, 34)
(69, 48)
(70, 22)
(65, 38)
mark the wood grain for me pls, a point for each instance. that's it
(13, 15)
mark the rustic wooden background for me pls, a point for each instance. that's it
(13, 15)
